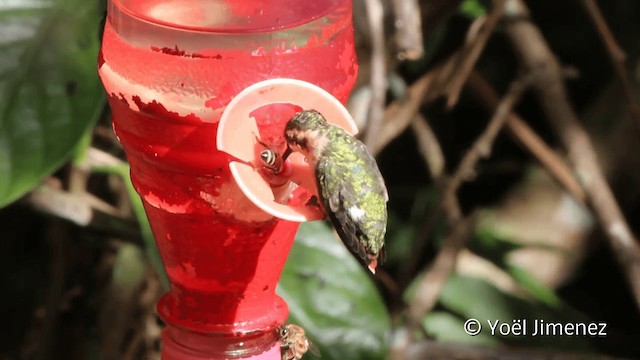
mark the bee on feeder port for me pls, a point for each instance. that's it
(294, 342)
(271, 159)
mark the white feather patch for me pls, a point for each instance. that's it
(356, 213)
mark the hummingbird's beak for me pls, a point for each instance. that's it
(286, 153)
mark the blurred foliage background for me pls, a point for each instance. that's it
(503, 231)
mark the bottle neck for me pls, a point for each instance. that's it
(182, 344)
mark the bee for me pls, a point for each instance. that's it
(294, 342)
(271, 159)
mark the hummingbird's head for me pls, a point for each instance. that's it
(305, 133)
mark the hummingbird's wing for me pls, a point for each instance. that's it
(347, 227)
(354, 197)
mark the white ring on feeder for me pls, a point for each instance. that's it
(237, 131)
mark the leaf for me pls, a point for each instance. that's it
(495, 245)
(447, 327)
(534, 287)
(472, 9)
(479, 299)
(473, 298)
(401, 234)
(333, 297)
(491, 245)
(49, 90)
(399, 241)
(119, 304)
(128, 271)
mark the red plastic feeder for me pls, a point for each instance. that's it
(170, 69)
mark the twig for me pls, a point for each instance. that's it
(133, 348)
(548, 84)
(434, 11)
(556, 166)
(408, 29)
(149, 327)
(388, 282)
(470, 54)
(399, 114)
(480, 148)
(76, 209)
(617, 56)
(375, 15)
(85, 209)
(430, 287)
(433, 281)
(429, 146)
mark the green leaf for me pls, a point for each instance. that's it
(472, 9)
(79, 154)
(401, 234)
(400, 241)
(447, 327)
(49, 90)
(534, 287)
(473, 298)
(333, 297)
(128, 271)
(492, 245)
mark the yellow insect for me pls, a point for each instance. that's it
(271, 159)
(294, 342)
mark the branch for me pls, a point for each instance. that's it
(555, 165)
(375, 15)
(399, 114)
(470, 54)
(408, 29)
(548, 84)
(616, 56)
(429, 146)
(480, 148)
(483, 144)
(433, 281)
(82, 208)
(76, 209)
(430, 287)
(434, 12)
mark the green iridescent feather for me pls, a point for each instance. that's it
(351, 187)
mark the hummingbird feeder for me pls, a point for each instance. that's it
(198, 90)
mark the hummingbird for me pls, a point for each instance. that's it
(351, 188)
